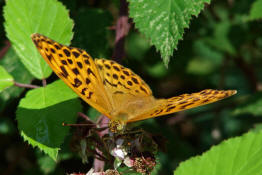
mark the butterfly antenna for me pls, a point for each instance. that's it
(79, 124)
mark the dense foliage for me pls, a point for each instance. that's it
(176, 46)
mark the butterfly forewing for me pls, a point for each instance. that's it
(183, 102)
(77, 69)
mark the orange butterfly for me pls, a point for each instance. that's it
(112, 89)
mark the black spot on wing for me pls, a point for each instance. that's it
(75, 70)
(170, 108)
(116, 68)
(89, 71)
(134, 80)
(64, 72)
(76, 54)
(67, 53)
(79, 65)
(70, 61)
(89, 95)
(115, 76)
(52, 50)
(77, 82)
(64, 62)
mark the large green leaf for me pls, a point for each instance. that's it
(41, 113)
(236, 156)
(6, 80)
(163, 21)
(24, 17)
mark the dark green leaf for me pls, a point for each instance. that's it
(42, 112)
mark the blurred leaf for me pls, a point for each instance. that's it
(256, 10)
(229, 157)
(158, 70)
(220, 39)
(200, 66)
(6, 80)
(207, 61)
(251, 105)
(137, 46)
(14, 66)
(92, 31)
(47, 165)
(6, 126)
(41, 113)
(25, 17)
(163, 21)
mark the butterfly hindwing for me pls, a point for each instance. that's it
(119, 79)
(183, 102)
(77, 69)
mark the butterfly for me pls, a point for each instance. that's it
(114, 90)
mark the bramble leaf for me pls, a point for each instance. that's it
(164, 21)
(239, 156)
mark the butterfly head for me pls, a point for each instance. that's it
(117, 126)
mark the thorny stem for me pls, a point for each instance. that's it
(26, 85)
(122, 29)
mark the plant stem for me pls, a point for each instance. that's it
(26, 85)
(44, 82)
(122, 29)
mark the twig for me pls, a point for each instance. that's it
(5, 48)
(44, 82)
(26, 85)
(80, 114)
(98, 165)
(122, 29)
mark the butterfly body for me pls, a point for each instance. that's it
(115, 91)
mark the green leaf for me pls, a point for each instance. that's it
(251, 105)
(163, 21)
(25, 17)
(238, 156)
(6, 80)
(14, 66)
(256, 10)
(41, 113)
(92, 31)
